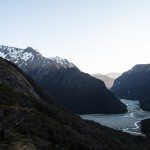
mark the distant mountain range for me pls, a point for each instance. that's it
(76, 90)
(108, 79)
(113, 75)
(135, 84)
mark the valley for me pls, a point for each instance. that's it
(55, 89)
(75, 75)
(32, 120)
(127, 122)
(77, 91)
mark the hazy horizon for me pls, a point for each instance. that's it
(98, 36)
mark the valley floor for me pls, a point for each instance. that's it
(127, 122)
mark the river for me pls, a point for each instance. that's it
(127, 122)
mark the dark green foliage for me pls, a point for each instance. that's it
(81, 92)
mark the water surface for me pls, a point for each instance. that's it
(127, 122)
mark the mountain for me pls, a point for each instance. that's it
(135, 84)
(107, 80)
(32, 62)
(74, 89)
(81, 92)
(29, 119)
(113, 75)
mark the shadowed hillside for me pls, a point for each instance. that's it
(135, 84)
(27, 121)
(74, 89)
(81, 92)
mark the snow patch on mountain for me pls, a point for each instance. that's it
(63, 62)
(30, 59)
(26, 56)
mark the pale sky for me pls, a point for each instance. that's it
(99, 36)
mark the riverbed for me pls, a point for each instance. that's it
(127, 122)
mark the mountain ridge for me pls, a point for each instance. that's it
(107, 80)
(74, 89)
(29, 59)
(135, 84)
(81, 92)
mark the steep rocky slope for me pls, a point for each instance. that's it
(135, 84)
(81, 92)
(27, 121)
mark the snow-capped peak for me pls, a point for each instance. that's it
(31, 60)
(63, 62)
(12, 53)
